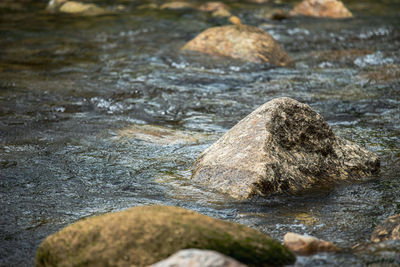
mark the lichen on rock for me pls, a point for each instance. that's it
(282, 147)
(388, 230)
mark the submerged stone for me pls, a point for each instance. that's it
(145, 235)
(282, 147)
(198, 258)
(388, 230)
(213, 6)
(178, 5)
(322, 8)
(223, 13)
(307, 245)
(258, 1)
(242, 42)
(162, 135)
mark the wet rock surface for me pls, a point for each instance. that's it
(322, 8)
(161, 135)
(178, 5)
(145, 235)
(307, 245)
(383, 253)
(282, 147)
(235, 20)
(388, 230)
(198, 258)
(242, 42)
(74, 7)
(68, 85)
(213, 6)
(216, 8)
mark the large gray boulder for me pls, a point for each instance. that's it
(282, 147)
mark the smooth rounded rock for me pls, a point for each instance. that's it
(178, 5)
(242, 42)
(235, 20)
(81, 8)
(74, 7)
(322, 8)
(258, 1)
(307, 245)
(213, 6)
(198, 258)
(222, 13)
(141, 236)
(282, 147)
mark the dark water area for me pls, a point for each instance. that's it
(72, 88)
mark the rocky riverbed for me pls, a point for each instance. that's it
(102, 112)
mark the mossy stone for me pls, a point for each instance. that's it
(141, 236)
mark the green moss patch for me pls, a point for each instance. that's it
(144, 235)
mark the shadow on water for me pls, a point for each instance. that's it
(77, 93)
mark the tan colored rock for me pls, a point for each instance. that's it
(198, 258)
(73, 7)
(178, 5)
(235, 20)
(388, 230)
(162, 135)
(148, 6)
(322, 8)
(258, 1)
(242, 42)
(213, 6)
(223, 13)
(217, 9)
(307, 245)
(282, 147)
(306, 218)
(141, 236)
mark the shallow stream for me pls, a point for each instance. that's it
(99, 114)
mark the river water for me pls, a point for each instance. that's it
(98, 114)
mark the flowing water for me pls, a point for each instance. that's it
(98, 114)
